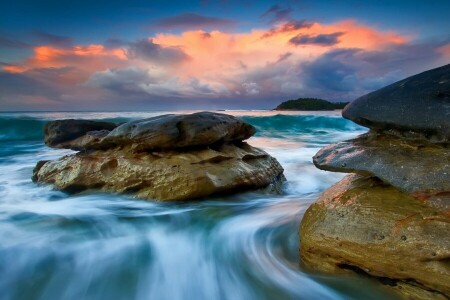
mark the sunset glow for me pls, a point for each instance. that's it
(190, 58)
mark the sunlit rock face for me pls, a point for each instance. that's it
(390, 219)
(171, 157)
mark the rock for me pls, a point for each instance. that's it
(416, 167)
(167, 175)
(169, 157)
(418, 103)
(60, 133)
(180, 131)
(364, 225)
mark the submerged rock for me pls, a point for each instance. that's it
(171, 157)
(413, 166)
(419, 103)
(365, 225)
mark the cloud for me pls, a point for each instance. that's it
(287, 27)
(9, 42)
(154, 82)
(147, 50)
(320, 39)
(276, 13)
(251, 88)
(192, 21)
(209, 67)
(52, 39)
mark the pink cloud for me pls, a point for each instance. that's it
(216, 64)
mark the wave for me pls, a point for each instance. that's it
(281, 125)
(18, 129)
(32, 129)
(21, 128)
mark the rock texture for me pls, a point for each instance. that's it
(365, 225)
(172, 157)
(419, 103)
(391, 221)
(180, 131)
(411, 166)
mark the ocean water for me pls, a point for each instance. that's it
(105, 246)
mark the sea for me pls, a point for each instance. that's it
(97, 245)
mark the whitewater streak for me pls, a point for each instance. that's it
(105, 246)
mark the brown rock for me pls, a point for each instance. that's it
(365, 225)
(169, 175)
(412, 166)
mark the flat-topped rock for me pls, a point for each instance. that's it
(166, 132)
(181, 131)
(62, 133)
(413, 166)
(418, 103)
(361, 224)
(166, 175)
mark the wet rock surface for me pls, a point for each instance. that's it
(171, 157)
(365, 225)
(419, 103)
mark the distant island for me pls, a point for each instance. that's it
(310, 104)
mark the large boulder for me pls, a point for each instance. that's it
(169, 157)
(417, 167)
(168, 175)
(418, 103)
(361, 224)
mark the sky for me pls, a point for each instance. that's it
(113, 55)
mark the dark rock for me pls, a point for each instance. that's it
(180, 131)
(416, 167)
(418, 103)
(59, 133)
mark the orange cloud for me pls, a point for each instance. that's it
(204, 63)
(14, 69)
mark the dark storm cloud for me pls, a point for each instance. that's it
(320, 40)
(147, 50)
(192, 21)
(52, 39)
(287, 27)
(276, 13)
(137, 82)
